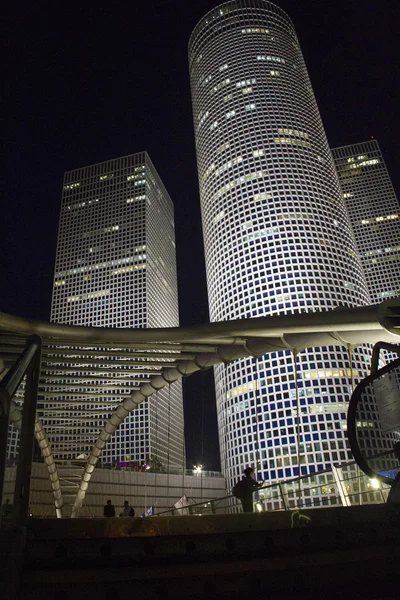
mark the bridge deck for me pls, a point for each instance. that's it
(348, 551)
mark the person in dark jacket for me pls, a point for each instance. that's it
(127, 511)
(109, 510)
(250, 484)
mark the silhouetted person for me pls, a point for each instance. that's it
(109, 510)
(249, 485)
(6, 510)
(127, 511)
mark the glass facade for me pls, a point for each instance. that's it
(277, 238)
(116, 267)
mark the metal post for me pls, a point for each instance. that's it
(338, 477)
(5, 402)
(23, 477)
(283, 496)
(8, 387)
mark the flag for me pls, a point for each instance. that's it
(149, 512)
(182, 505)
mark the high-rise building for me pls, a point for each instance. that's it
(277, 238)
(116, 267)
(373, 208)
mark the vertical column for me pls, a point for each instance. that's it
(23, 477)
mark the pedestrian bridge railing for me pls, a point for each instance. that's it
(344, 485)
(70, 387)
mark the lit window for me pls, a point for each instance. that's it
(295, 132)
(202, 118)
(222, 148)
(136, 199)
(89, 296)
(255, 30)
(220, 85)
(245, 82)
(219, 216)
(292, 141)
(207, 172)
(373, 161)
(228, 165)
(276, 59)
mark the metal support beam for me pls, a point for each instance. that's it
(8, 387)
(338, 477)
(283, 496)
(23, 477)
(200, 347)
(376, 354)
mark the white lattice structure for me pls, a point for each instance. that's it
(277, 237)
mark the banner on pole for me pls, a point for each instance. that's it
(182, 505)
(149, 512)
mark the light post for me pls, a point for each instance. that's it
(197, 469)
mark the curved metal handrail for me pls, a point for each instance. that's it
(351, 422)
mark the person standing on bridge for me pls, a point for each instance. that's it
(127, 511)
(249, 485)
(109, 509)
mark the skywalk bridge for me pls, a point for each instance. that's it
(128, 365)
(352, 550)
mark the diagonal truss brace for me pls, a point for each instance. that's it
(44, 444)
(224, 354)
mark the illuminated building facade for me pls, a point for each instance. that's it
(277, 238)
(373, 208)
(116, 267)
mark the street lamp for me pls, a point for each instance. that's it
(198, 469)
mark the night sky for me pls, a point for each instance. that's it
(90, 81)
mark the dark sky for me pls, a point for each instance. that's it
(89, 81)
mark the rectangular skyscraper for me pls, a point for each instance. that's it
(374, 213)
(116, 267)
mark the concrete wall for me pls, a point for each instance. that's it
(142, 490)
